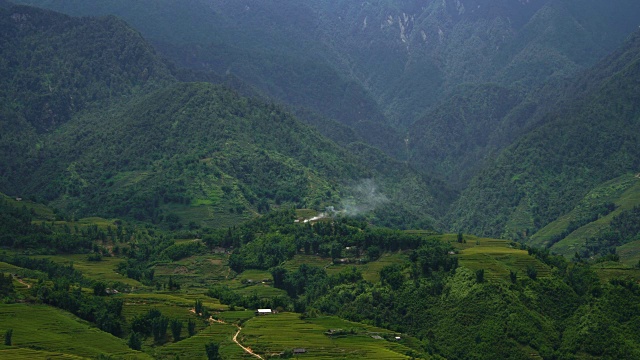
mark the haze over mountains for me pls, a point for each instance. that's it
(450, 179)
(464, 92)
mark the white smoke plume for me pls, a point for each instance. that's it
(362, 198)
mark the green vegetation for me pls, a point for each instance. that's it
(356, 341)
(152, 217)
(58, 332)
(546, 173)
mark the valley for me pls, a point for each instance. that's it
(325, 180)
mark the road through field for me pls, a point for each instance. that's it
(246, 349)
(22, 282)
(235, 337)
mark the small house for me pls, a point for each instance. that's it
(264, 312)
(299, 351)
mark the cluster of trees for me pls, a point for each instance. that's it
(6, 285)
(589, 215)
(550, 169)
(623, 229)
(266, 242)
(153, 323)
(106, 313)
(18, 230)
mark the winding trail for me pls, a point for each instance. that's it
(235, 337)
(22, 282)
(246, 349)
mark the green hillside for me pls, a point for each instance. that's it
(201, 153)
(428, 289)
(186, 154)
(545, 174)
(54, 66)
(591, 216)
(58, 335)
(149, 207)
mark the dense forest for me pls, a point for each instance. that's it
(385, 180)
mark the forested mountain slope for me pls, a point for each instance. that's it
(54, 66)
(589, 140)
(96, 123)
(198, 146)
(380, 64)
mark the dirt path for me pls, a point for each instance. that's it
(22, 282)
(246, 349)
(235, 337)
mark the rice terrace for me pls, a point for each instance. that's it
(398, 179)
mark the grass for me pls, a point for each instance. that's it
(497, 257)
(371, 270)
(623, 191)
(630, 253)
(29, 354)
(273, 334)
(195, 273)
(104, 270)
(41, 211)
(40, 327)
(194, 347)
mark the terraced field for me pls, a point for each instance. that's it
(194, 347)
(497, 258)
(40, 327)
(630, 253)
(174, 307)
(104, 270)
(371, 271)
(195, 272)
(624, 192)
(273, 334)
(615, 270)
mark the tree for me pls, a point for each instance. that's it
(159, 328)
(460, 237)
(7, 337)
(212, 350)
(198, 307)
(279, 274)
(191, 327)
(373, 252)
(513, 275)
(480, 276)
(99, 289)
(392, 276)
(532, 272)
(176, 329)
(134, 341)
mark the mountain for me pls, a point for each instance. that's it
(589, 140)
(602, 223)
(98, 124)
(54, 66)
(204, 151)
(271, 47)
(446, 85)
